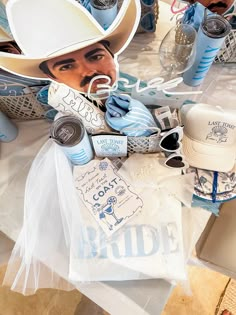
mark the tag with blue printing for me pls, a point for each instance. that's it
(110, 145)
(109, 198)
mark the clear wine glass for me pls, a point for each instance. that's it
(178, 50)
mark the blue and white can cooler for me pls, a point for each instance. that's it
(70, 134)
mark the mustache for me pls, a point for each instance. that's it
(216, 5)
(86, 80)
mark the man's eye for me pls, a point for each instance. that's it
(66, 67)
(95, 57)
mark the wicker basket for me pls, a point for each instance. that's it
(22, 107)
(227, 53)
(153, 9)
(143, 144)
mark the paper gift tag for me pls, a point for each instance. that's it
(110, 145)
(108, 197)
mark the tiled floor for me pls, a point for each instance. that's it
(206, 285)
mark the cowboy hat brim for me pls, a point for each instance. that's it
(118, 35)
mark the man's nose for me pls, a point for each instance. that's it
(87, 69)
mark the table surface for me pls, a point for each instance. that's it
(141, 60)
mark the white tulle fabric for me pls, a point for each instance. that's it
(40, 257)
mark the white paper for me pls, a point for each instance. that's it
(107, 196)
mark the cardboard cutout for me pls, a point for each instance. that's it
(62, 41)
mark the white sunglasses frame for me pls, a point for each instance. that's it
(177, 154)
(178, 130)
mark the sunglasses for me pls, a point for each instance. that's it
(148, 3)
(148, 22)
(171, 140)
(176, 160)
(171, 144)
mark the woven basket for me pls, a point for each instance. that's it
(227, 53)
(145, 10)
(22, 107)
(143, 144)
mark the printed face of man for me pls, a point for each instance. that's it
(216, 6)
(76, 69)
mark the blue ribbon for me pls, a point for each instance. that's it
(214, 186)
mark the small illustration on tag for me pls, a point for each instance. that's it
(109, 198)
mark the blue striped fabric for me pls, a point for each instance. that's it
(124, 112)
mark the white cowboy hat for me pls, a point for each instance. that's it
(49, 28)
(4, 37)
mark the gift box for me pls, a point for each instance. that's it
(214, 248)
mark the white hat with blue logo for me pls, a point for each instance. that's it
(209, 140)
